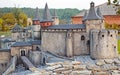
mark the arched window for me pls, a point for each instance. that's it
(88, 42)
(82, 37)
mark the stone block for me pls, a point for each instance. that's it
(53, 67)
(79, 67)
(109, 61)
(93, 67)
(76, 63)
(66, 72)
(116, 61)
(101, 73)
(83, 72)
(100, 62)
(115, 72)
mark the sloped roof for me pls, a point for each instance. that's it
(46, 14)
(37, 15)
(17, 44)
(72, 26)
(55, 13)
(85, 16)
(17, 28)
(99, 13)
(92, 13)
(105, 9)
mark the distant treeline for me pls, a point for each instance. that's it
(63, 14)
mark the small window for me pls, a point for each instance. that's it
(88, 42)
(111, 35)
(82, 37)
(102, 35)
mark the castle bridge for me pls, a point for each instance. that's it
(28, 64)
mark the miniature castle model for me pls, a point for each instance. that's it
(88, 38)
(30, 45)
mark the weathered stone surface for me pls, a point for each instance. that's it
(101, 46)
(101, 73)
(66, 72)
(115, 72)
(79, 67)
(100, 62)
(51, 64)
(75, 63)
(93, 67)
(116, 61)
(109, 61)
(84, 72)
(107, 67)
(53, 67)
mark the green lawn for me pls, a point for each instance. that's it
(6, 33)
(119, 46)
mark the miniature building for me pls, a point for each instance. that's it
(75, 39)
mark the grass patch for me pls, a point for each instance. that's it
(119, 46)
(6, 33)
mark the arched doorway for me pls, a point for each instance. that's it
(22, 53)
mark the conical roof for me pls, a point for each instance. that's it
(37, 15)
(85, 16)
(92, 15)
(46, 14)
(54, 13)
(99, 13)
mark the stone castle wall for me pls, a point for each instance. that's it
(80, 43)
(103, 44)
(56, 42)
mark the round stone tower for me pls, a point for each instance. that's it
(36, 31)
(36, 25)
(103, 44)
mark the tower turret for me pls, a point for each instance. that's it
(47, 19)
(94, 19)
(36, 19)
(55, 18)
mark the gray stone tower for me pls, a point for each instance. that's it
(55, 18)
(103, 44)
(36, 25)
(93, 19)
